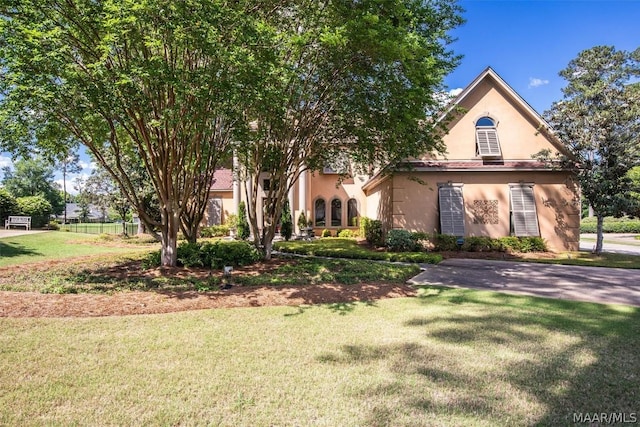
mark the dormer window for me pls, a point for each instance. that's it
(487, 143)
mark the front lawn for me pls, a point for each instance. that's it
(56, 245)
(450, 357)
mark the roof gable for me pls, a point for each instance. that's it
(519, 126)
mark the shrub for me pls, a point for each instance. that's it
(214, 231)
(371, 229)
(209, 254)
(220, 253)
(243, 224)
(401, 241)
(326, 233)
(286, 223)
(8, 204)
(37, 207)
(444, 242)
(302, 221)
(348, 234)
(611, 225)
(481, 244)
(53, 225)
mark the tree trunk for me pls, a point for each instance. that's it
(169, 252)
(599, 234)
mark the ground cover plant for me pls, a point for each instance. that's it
(351, 248)
(448, 357)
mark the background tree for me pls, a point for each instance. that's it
(37, 207)
(160, 81)
(33, 177)
(349, 78)
(634, 176)
(598, 121)
(106, 194)
(286, 222)
(243, 225)
(67, 162)
(8, 205)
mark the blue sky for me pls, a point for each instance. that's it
(527, 43)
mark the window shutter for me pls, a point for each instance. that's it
(523, 211)
(451, 210)
(488, 144)
(215, 212)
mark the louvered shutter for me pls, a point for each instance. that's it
(215, 212)
(523, 211)
(488, 144)
(451, 210)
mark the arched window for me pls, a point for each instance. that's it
(352, 213)
(487, 143)
(320, 213)
(336, 213)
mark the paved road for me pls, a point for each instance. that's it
(594, 284)
(621, 243)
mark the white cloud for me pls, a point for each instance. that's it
(5, 161)
(88, 165)
(535, 82)
(455, 92)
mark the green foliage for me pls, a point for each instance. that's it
(215, 254)
(371, 229)
(597, 121)
(611, 225)
(302, 221)
(348, 234)
(33, 177)
(214, 231)
(37, 207)
(447, 243)
(53, 225)
(350, 249)
(326, 233)
(286, 222)
(8, 205)
(401, 241)
(231, 221)
(243, 224)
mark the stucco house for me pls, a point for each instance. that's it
(486, 184)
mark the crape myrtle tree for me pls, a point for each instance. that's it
(353, 79)
(598, 121)
(158, 80)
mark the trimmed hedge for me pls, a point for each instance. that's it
(443, 242)
(611, 225)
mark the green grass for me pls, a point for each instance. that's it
(349, 248)
(588, 259)
(55, 245)
(450, 357)
(95, 275)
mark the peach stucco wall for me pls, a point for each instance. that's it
(328, 187)
(227, 205)
(415, 205)
(518, 133)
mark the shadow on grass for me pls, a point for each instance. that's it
(11, 249)
(504, 360)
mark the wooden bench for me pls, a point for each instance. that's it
(18, 221)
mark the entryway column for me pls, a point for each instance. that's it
(236, 183)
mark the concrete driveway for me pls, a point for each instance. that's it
(18, 232)
(593, 284)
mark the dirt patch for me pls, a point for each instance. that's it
(36, 304)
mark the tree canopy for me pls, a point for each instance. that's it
(33, 177)
(158, 80)
(353, 81)
(598, 120)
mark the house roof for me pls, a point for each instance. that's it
(222, 180)
(74, 209)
